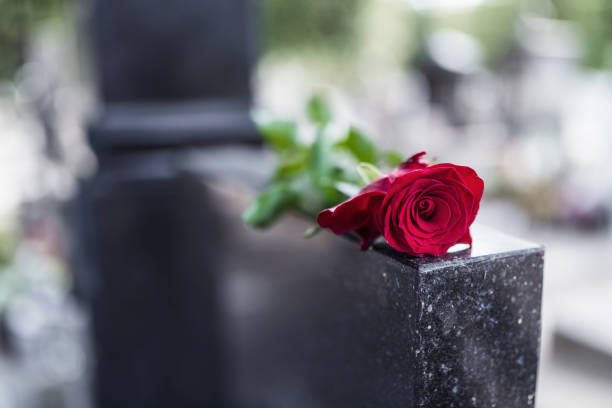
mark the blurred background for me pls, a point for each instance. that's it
(520, 90)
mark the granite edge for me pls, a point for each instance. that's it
(455, 260)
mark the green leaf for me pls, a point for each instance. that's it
(318, 110)
(348, 189)
(392, 158)
(360, 146)
(368, 172)
(291, 164)
(312, 231)
(270, 205)
(320, 163)
(331, 196)
(278, 134)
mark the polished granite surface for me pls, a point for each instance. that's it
(487, 243)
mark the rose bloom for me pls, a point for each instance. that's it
(418, 209)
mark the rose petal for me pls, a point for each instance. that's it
(351, 214)
(414, 162)
(356, 214)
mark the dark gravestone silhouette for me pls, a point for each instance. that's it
(171, 75)
(155, 301)
(159, 50)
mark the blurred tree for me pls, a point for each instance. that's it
(303, 24)
(17, 20)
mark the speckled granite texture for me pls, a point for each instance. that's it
(476, 325)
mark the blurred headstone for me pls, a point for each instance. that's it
(155, 50)
(170, 76)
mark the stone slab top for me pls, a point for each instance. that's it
(487, 244)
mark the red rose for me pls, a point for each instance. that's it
(359, 213)
(419, 209)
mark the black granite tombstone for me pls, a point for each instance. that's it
(318, 323)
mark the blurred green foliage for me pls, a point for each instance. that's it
(10, 281)
(8, 242)
(18, 19)
(492, 25)
(337, 26)
(594, 21)
(305, 24)
(311, 175)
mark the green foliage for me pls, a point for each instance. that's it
(18, 18)
(269, 205)
(8, 241)
(368, 173)
(320, 164)
(392, 158)
(318, 110)
(360, 146)
(311, 176)
(312, 231)
(278, 134)
(10, 280)
(492, 24)
(297, 25)
(594, 21)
